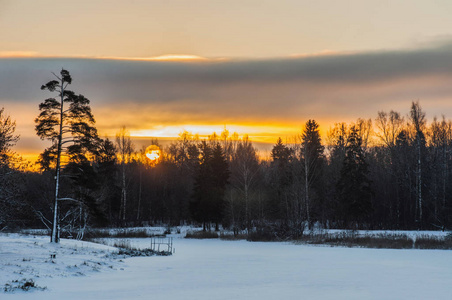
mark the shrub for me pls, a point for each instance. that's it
(433, 242)
(262, 235)
(201, 235)
(233, 237)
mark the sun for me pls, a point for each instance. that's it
(153, 153)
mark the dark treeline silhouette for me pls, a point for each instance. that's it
(392, 173)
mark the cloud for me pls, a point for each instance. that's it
(328, 87)
(144, 80)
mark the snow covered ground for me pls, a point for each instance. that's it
(216, 269)
(29, 257)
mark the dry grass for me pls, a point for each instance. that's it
(120, 233)
(380, 241)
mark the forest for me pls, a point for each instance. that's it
(392, 172)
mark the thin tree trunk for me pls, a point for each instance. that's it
(419, 181)
(306, 169)
(139, 198)
(55, 238)
(124, 192)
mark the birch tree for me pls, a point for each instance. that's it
(418, 123)
(244, 171)
(125, 150)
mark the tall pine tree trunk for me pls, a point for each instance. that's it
(55, 237)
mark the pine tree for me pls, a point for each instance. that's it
(68, 123)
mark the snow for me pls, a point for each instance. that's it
(216, 269)
(31, 257)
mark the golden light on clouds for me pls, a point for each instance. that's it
(177, 57)
(266, 133)
(165, 57)
(17, 54)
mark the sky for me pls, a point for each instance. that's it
(261, 68)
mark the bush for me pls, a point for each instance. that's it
(233, 237)
(262, 235)
(433, 242)
(277, 232)
(201, 235)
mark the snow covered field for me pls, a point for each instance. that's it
(216, 269)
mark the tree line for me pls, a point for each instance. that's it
(393, 172)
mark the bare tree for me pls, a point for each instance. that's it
(8, 184)
(244, 170)
(389, 126)
(418, 123)
(125, 150)
(364, 130)
(7, 136)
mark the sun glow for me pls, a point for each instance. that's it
(153, 153)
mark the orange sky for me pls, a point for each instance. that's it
(259, 67)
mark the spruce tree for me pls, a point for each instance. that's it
(199, 204)
(354, 186)
(312, 164)
(220, 176)
(212, 175)
(281, 177)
